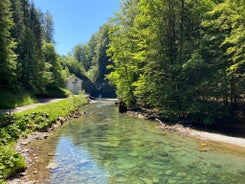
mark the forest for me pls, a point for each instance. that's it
(183, 58)
(31, 68)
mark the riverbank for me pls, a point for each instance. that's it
(203, 135)
(44, 118)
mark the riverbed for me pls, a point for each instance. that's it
(103, 146)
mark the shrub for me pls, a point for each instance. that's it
(10, 162)
(57, 92)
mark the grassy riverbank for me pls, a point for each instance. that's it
(20, 124)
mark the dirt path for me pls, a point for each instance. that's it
(32, 106)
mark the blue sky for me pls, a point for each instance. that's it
(76, 20)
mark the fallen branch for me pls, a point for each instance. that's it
(161, 123)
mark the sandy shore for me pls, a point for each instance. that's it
(218, 138)
(206, 136)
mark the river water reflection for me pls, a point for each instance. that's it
(105, 147)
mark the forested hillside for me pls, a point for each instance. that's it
(29, 64)
(28, 60)
(185, 58)
(30, 67)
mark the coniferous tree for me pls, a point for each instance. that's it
(30, 55)
(7, 45)
(47, 24)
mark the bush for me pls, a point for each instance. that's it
(6, 119)
(57, 92)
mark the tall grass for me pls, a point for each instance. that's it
(11, 100)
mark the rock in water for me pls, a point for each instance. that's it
(122, 107)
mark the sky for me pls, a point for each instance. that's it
(76, 21)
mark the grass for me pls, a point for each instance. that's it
(56, 109)
(22, 123)
(9, 99)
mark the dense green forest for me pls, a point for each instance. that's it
(30, 67)
(185, 58)
(28, 60)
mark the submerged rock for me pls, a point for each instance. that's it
(52, 166)
(181, 174)
(147, 181)
(172, 181)
(122, 107)
(169, 172)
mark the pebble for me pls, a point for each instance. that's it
(164, 154)
(169, 172)
(172, 181)
(133, 154)
(181, 174)
(147, 181)
(52, 166)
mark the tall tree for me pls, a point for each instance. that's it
(7, 45)
(30, 56)
(223, 31)
(52, 75)
(47, 27)
(121, 51)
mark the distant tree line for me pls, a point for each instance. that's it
(185, 58)
(28, 60)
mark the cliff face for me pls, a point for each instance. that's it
(89, 87)
(98, 89)
(106, 90)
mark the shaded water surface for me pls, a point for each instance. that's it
(104, 147)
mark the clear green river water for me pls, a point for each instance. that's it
(105, 147)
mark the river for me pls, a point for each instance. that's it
(105, 147)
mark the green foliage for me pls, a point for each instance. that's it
(93, 55)
(56, 109)
(7, 45)
(28, 58)
(57, 92)
(7, 118)
(73, 66)
(47, 27)
(52, 75)
(10, 162)
(185, 58)
(11, 99)
(122, 50)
